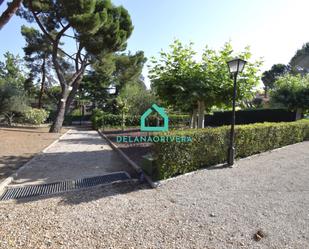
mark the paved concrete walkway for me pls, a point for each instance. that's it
(79, 154)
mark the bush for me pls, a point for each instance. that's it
(179, 119)
(100, 119)
(35, 116)
(250, 116)
(209, 146)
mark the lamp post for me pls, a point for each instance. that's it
(235, 66)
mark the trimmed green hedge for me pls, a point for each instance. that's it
(100, 119)
(209, 146)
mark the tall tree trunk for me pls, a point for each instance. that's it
(9, 12)
(123, 123)
(9, 118)
(42, 83)
(201, 114)
(193, 119)
(57, 124)
(72, 94)
(299, 113)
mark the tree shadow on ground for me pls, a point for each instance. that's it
(90, 194)
(113, 132)
(23, 130)
(58, 167)
(10, 164)
(87, 141)
(219, 166)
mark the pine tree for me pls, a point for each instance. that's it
(97, 27)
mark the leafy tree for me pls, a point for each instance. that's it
(98, 28)
(38, 52)
(179, 80)
(117, 71)
(173, 74)
(11, 71)
(9, 11)
(292, 92)
(128, 69)
(138, 98)
(12, 101)
(300, 61)
(269, 77)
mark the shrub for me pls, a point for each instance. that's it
(209, 146)
(96, 117)
(35, 116)
(100, 119)
(178, 119)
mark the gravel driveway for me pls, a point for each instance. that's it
(218, 208)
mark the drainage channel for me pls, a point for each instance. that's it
(58, 187)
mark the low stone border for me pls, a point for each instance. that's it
(9, 179)
(17, 125)
(135, 166)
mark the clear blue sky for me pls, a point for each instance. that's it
(274, 29)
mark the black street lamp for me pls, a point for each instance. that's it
(235, 66)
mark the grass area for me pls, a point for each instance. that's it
(18, 145)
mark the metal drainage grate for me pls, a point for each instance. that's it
(57, 187)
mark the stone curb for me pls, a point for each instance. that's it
(135, 166)
(9, 179)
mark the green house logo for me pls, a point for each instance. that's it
(161, 112)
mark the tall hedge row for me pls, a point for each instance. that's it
(100, 119)
(250, 116)
(209, 146)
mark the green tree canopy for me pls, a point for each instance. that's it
(292, 92)
(12, 101)
(300, 61)
(38, 51)
(11, 71)
(98, 28)
(269, 77)
(114, 71)
(137, 98)
(186, 84)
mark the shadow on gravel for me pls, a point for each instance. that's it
(220, 166)
(100, 192)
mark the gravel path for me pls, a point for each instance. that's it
(218, 208)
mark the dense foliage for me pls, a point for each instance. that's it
(100, 119)
(98, 28)
(209, 145)
(292, 92)
(13, 102)
(182, 82)
(35, 116)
